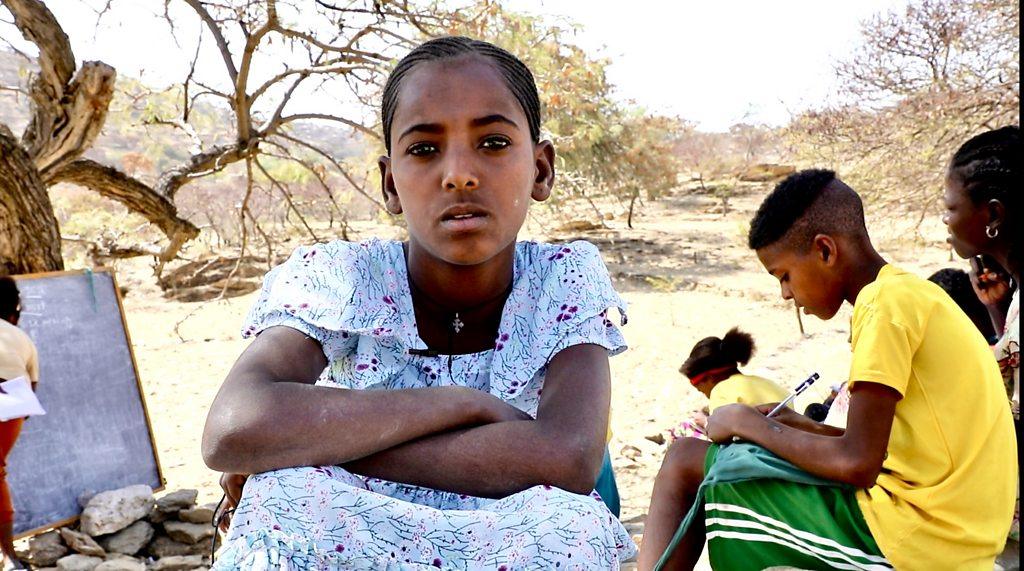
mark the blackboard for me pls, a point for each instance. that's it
(96, 433)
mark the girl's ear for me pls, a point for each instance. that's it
(827, 249)
(996, 213)
(387, 186)
(544, 169)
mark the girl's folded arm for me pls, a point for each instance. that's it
(854, 457)
(268, 413)
(563, 447)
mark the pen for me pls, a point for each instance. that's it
(799, 389)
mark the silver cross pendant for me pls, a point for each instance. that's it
(457, 324)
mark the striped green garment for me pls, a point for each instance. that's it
(761, 511)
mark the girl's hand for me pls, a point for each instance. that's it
(232, 485)
(992, 288)
(732, 420)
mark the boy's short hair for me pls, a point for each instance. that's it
(805, 204)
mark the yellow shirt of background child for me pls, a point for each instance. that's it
(944, 499)
(18, 357)
(746, 389)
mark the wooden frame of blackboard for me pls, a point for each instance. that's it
(138, 383)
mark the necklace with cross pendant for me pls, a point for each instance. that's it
(457, 323)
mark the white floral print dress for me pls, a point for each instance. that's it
(354, 299)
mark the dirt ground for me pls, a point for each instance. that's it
(684, 270)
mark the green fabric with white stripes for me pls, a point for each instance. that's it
(754, 524)
(761, 511)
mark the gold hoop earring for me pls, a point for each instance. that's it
(992, 232)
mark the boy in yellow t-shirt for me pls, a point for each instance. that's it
(713, 369)
(923, 476)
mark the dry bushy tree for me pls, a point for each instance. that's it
(271, 53)
(68, 107)
(923, 81)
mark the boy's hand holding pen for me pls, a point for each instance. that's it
(723, 423)
(796, 392)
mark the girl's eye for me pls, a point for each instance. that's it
(421, 149)
(495, 143)
(784, 278)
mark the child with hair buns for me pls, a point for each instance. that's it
(713, 368)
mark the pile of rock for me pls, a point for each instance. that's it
(130, 530)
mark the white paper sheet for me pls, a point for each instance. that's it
(17, 400)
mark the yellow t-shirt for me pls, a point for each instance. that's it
(18, 356)
(944, 499)
(746, 389)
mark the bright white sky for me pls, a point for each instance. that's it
(714, 63)
(720, 62)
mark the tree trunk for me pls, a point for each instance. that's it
(29, 234)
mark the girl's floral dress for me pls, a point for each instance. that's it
(354, 299)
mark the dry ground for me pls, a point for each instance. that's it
(684, 270)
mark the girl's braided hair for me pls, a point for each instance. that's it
(517, 76)
(988, 167)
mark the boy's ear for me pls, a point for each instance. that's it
(544, 169)
(387, 186)
(827, 249)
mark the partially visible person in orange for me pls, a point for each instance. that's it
(18, 358)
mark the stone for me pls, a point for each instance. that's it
(129, 540)
(21, 551)
(630, 452)
(177, 500)
(84, 497)
(178, 563)
(78, 562)
(200, 514)
(658, 438)
(164, 546)
(45, 549)
(190, 533)
(126, 564)
(115, 510)
(81, 542)
(157, 516)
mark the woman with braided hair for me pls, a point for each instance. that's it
(983, 186)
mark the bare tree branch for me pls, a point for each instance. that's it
(288, 197)
(324, 117)
(68, 109)
(337, 165)
(200, 165)
(218, 37)
(136, 196)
